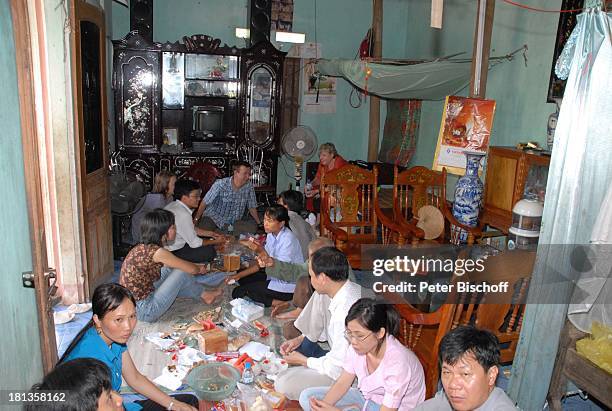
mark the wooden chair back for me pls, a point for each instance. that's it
(422, 333)
(348, 200)
(416, 187)
(500, 312)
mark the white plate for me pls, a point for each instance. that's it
(61, 317)
(79, 308)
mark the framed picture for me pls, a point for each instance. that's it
(170, 135)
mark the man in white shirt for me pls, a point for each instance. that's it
(328, 269)
(188, 245)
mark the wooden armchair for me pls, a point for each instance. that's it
(422, 333)
(419, 186)
(349, 211)
(498, 312)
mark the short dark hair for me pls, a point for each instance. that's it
(83, 381)
(184, 187)
(279, 213)
(237, 164)
(467, 339)
(294, 200)
(155, 224)
(332, 262)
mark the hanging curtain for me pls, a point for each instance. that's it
(579, 174)
(401, 131)
(423, 81)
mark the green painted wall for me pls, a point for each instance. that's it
(520, 92)
(20, 354)
(521, 110)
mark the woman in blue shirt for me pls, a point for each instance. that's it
(105, 338)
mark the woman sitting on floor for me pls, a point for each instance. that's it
(282, 245)
(155, 276)
(161, 195)
(389, 375)
(105, 337)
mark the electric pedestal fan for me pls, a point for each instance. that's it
(299, 144)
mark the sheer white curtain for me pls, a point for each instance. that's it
(579, 175)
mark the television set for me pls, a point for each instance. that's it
(207, 122)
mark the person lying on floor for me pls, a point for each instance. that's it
(156, 277)
(105, 337)
(188, 245)
(81, 384)
(316, 367)
(281, 244)
(389, 375)
(293, 201)
(469, 362)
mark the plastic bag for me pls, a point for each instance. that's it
(597, 347)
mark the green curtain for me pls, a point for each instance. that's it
(422, 81)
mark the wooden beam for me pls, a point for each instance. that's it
(482, 47)
(374, 129)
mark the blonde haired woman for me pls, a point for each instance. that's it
(329, 160)
(161, 195)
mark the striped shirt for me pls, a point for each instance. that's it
(225, 204)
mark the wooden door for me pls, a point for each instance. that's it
(28, 338)
(91, 119)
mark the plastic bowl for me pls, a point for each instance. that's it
(214, 381)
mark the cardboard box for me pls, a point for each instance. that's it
(213, 341)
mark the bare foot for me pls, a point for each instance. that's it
(209, 296)
(278, 306)
(289, 315)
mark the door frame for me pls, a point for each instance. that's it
(33, 182)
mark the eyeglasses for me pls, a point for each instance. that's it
(195, 196)
(350, 337)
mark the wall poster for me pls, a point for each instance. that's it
(466, 126)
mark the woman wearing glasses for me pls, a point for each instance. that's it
(390, 376)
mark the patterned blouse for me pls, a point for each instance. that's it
(139, 271)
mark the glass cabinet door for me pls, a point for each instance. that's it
(260, 114)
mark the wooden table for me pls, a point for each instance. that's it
(569, 365)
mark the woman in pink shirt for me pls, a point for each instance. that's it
(390, 376)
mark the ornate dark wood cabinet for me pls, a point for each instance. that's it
(195, 100)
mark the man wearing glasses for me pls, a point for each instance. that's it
(328, 269)
(188, 245)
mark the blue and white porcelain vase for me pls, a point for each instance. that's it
(468, 194)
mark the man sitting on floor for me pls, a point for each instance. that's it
(225, 203)
(298, 273)
(328, 270)
(188, 245)
(469, 360)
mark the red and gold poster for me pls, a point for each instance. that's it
(466, 126)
